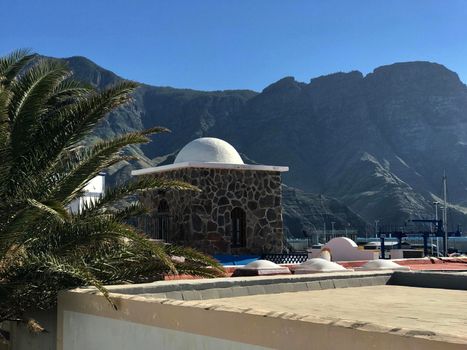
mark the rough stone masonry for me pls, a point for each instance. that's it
(203, 219)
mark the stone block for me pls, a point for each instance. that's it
(271, 289)
(285, 287)
(239, 291)
(210, 293)
(313, 285)
(225, 293)
(256, 289)
(156, 295)
(174, 295)
(191, 295)
(354, 282)
(381, 279)
(341, 283)
(326, 284)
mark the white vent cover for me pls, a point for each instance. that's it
(260, 268)
(316, 265)
(381, 264)
(261, 264)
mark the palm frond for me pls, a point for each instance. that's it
(94, 160)
(141, 185)
(53, 208)
(86, 113)
(46, 164)
(12, 64)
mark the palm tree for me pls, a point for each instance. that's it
(45, 165)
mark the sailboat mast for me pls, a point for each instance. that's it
(445, 215)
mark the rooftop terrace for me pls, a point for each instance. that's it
(351, 310)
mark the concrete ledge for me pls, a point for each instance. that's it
(205, 289)
(422, 279)
(228, 282)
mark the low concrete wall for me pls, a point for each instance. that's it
(453, 280)
(157, 312)
(22, 339)
(87, 321)
(240, 286)
(200, 289)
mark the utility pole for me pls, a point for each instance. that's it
(376, 228)
(324, 226)
(445, 215)
(332, 228)
(436, 218)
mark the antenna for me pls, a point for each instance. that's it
(445, 215)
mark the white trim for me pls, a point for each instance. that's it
(163, 168)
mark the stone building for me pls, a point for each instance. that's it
(237, 209)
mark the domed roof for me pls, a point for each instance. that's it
(381, 264)
(208, 150)
(261, 268)
(262, 264)
(319, 265)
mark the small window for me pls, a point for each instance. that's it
(238, 218)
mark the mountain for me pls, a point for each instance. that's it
(378, 144)
(306, 213)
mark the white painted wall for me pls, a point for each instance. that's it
(93, 191)
(89, 332)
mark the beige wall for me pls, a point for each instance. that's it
(87, 321)
(80, 332)
(22, 339)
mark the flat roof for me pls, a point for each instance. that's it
(411, 311)
(163, 168)
(400, 309)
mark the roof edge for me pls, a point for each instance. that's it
(176, 166)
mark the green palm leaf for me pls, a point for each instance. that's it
(45, 117)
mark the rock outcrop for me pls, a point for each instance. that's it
(377, 143)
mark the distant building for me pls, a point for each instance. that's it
(92, 191)
(237, 211)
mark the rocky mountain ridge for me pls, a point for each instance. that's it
(377, 143)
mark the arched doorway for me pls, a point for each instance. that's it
(238, 218)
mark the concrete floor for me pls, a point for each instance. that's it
(421, 310)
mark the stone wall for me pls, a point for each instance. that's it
(203, 219)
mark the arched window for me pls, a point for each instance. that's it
(238, 218)
(162, 224)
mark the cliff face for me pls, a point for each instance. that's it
(377, 143)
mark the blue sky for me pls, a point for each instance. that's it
(230, 44)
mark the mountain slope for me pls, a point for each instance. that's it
(378, 143)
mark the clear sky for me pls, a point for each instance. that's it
(231, 44)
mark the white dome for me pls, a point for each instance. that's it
(381, 264)
(209, 150)
(261, 268)
(319, 265)
(262, 264)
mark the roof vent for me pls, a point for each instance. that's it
(317, 265)
(381, 264)
(261, 268)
